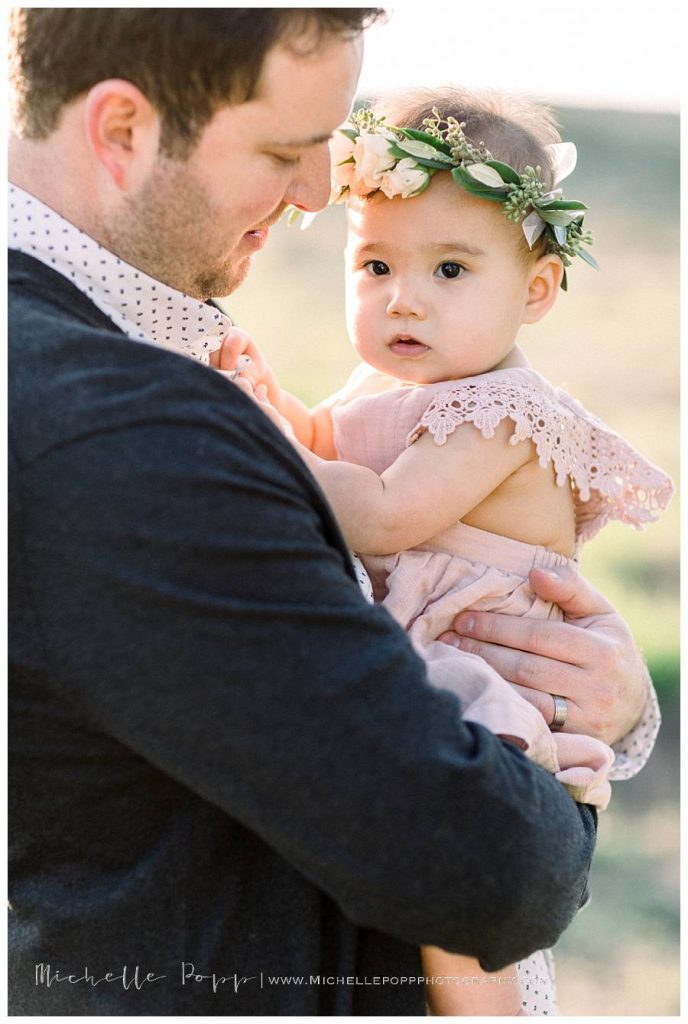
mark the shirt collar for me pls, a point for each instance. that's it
(145, 309)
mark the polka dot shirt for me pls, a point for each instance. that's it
(145, 309)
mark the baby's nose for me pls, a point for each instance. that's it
(406, 302)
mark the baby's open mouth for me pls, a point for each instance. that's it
(408, 347)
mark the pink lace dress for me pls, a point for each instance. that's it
(466, 568)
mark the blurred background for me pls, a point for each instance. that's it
(611, 73)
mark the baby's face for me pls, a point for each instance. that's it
(436, 286)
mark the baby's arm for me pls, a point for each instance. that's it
(312, 427)
(426, 490)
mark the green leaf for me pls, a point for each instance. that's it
(462, 178)
(486, 176)
(435, 164)
(423, 151)
(561, 217)
(562, 204)
(589, 259)
(411, 133)
(350, 133)
(400, 154)
(505, 172)
(564, 283)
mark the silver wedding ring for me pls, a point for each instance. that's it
(561, 711)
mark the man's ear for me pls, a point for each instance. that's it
(544, 282)
(123, 131)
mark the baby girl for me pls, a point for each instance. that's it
(452, 466)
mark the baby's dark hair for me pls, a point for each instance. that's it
(516, 130)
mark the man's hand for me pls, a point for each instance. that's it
(590, 658)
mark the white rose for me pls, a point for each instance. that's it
(342, 167)
(342, 175)
(404, 180)
(341, 148)
(372, 156)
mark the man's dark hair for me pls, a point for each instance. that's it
(187, 61)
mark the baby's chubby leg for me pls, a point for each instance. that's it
(457, 986)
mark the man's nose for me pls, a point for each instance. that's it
(311, 185)
(406, 300)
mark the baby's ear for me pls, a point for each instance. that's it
(544, 282)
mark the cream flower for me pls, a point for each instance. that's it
(372, 156)
(342, 166)
(404, 180)
(341, 148)
(342, 175)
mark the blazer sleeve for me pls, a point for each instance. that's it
(195, 601)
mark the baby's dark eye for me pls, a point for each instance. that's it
(377, 268)
(450, 270)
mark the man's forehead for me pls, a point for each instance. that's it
(310, 91)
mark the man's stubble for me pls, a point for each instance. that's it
(172, 232)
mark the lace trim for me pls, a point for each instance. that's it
(609, 479)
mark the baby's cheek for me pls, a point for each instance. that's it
(362, 333)
(356, 317)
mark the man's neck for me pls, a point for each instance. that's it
(40, 168)
(143, 308)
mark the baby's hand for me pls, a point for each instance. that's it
(259, 394)
(240, 357)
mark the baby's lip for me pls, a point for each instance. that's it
(407, 346)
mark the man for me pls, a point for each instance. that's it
(232, 790)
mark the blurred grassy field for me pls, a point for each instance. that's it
(612, 340)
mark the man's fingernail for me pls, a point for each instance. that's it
(456, 642)
(468, 625)
(552, 573)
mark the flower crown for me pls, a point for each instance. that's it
(371, 156)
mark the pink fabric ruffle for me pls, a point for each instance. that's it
(609, 479)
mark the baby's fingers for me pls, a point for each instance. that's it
(261, 397)
(237, 344)
(241, 382)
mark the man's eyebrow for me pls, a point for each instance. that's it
(313, 140)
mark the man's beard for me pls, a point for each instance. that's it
(168, 231)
